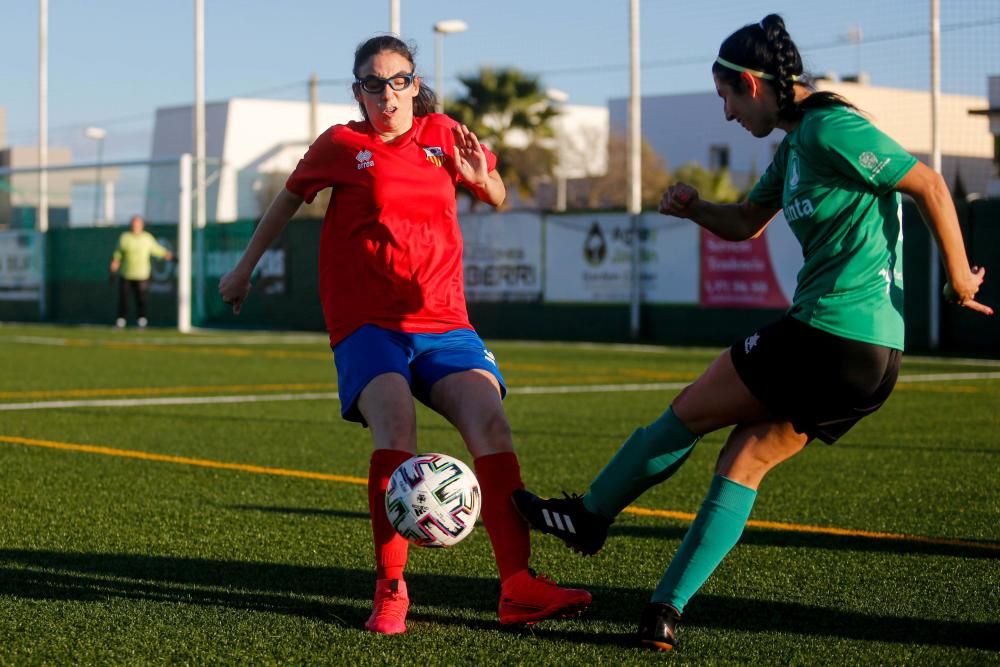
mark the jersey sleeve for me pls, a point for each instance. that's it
(852, 146)
(118, 253)
(769, 189)
(314, 171)
(155, 249)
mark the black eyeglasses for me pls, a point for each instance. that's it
(374, 85)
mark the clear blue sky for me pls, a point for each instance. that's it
(113, 62)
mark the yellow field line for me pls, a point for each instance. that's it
(181, 460)
(346, 479)
(824, 530)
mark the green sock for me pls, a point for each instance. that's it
(649, 456)
(715, 531)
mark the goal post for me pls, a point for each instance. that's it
(92, 202)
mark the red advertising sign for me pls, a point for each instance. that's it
(738, 275)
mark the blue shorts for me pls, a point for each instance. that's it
(422, 359)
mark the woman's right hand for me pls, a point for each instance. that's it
(679, 200)
(233, 288)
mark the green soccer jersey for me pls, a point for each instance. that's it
(134, 251)
(834, 177)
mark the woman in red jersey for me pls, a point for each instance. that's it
(391, 284)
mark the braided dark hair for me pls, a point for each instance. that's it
(767, 47)
(425, 102)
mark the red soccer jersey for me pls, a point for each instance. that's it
(390, 248)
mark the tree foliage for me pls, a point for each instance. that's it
(716, 186)
(509, 111)
(610, 190)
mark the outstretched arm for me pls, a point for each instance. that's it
(732, 222)
(931, 194)
(235, 285)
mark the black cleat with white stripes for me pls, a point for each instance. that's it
(566, 518)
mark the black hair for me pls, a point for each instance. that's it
(425, 102)
(767, 47)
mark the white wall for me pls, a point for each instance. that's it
(580, 140)
(681, 128)
(266, 136)
(249, 136)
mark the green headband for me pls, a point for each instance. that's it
(757, 73)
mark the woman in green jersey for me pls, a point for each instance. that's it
(834, 356)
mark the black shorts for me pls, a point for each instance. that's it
(820, 382)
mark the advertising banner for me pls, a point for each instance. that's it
(21, 267)
(758, 273)
(588, 259)
(503, 256)
(270, 275)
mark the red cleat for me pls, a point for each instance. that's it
(528, 598)
(389, 609)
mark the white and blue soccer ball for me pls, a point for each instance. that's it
(433, 500)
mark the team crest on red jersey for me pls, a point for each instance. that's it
(435, 154)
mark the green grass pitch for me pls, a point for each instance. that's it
(126, 539)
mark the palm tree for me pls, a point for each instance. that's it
(510, 112)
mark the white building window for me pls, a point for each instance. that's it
(718, 157)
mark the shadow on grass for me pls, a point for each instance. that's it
(293, 590)
(755, 616)
(763, 537)
(303, 511)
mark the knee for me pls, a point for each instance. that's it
(749, 456)
(744, 460)
(398, 434)
(492, 436)
(686, 409)
(497, 431)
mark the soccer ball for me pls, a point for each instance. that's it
(433, 500)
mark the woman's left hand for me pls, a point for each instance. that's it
(470, 159)
(962, 290)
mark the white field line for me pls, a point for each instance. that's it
(218, 338)
(175, 400)
(330, 395)
(322, 341)
(949, 377)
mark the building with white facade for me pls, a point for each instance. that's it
(247, 139)
(244, 138)
(689, 128)
(992, 114)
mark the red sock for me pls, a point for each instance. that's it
(390, 546)
(499, 475)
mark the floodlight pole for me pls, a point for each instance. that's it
(634, 204)
(442, 28)
(200, 204)
(42, 220)
(98, 134)
(313, 108)
(199, 112)
(394, 17)
(98, 214)
(439, 68)
(934, 273)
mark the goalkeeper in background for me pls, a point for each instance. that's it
(132, 259)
